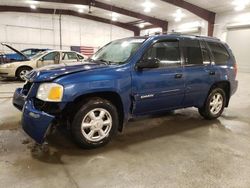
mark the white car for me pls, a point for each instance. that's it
(50, 57)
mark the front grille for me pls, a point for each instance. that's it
(26, 88)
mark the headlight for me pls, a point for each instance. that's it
(51, 92)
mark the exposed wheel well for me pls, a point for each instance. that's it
(225, 85)
(113, 97)
(25, 66)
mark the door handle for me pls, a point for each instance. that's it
(178, 76)
(212, 73)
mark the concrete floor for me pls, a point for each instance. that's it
(178, 150)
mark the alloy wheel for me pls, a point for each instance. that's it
(216, 103)
(96, 124)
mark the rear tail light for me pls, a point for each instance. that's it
(235, 69)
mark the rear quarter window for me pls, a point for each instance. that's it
(220, 53)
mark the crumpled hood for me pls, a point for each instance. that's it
(53, 71)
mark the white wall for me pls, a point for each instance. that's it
(229, 18)
(25, 30)
(222, 21)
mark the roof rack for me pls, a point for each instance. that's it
(183, 34)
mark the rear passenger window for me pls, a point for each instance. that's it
(192, 52)
(166, 51)
(69, 56)
(220, 53)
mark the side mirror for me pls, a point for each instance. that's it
(148, 63)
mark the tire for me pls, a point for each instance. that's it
(89, 129)
(21, 73)
(214, 105)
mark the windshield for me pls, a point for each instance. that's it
(27, 52)
(38, 55)
(118, 52)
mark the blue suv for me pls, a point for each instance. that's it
(124, 79)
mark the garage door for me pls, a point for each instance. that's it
(239, 41)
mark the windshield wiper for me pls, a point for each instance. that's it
(105, 61)
(99, 60)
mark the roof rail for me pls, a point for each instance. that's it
(182, 34)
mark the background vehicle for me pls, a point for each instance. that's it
(11, 57)
(50, 57)
(128, 78)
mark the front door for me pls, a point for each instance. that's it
(49, 59)
(159, 89)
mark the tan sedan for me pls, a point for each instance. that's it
(19, 69)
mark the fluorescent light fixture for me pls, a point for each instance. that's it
(178, 15)
(147, 9)
(114, 16)
(32, 2)
(192, 25)
(189, 30)
(114, 19)
(33, 7)
(80, 10)
(238, 25)
(148, 5)
(177, 19)
(141, 25)
(239, 7)
(240, 4)
(80, 6)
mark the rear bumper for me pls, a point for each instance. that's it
(34, 122)
(234, 86)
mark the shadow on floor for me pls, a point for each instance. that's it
(10, 80)
(138, 131)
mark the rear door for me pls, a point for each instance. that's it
(158, 89)
(199, 73)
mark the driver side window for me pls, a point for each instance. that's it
(167, 52)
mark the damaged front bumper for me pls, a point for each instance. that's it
(34, 122)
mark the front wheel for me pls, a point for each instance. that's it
(21, 72)
(95, 123)
(214, 105)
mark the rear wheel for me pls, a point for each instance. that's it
(21, 72)
(95, 123)
(214, 105)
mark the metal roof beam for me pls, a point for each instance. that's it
(135, 29)
(160, 23)
(205, 14)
